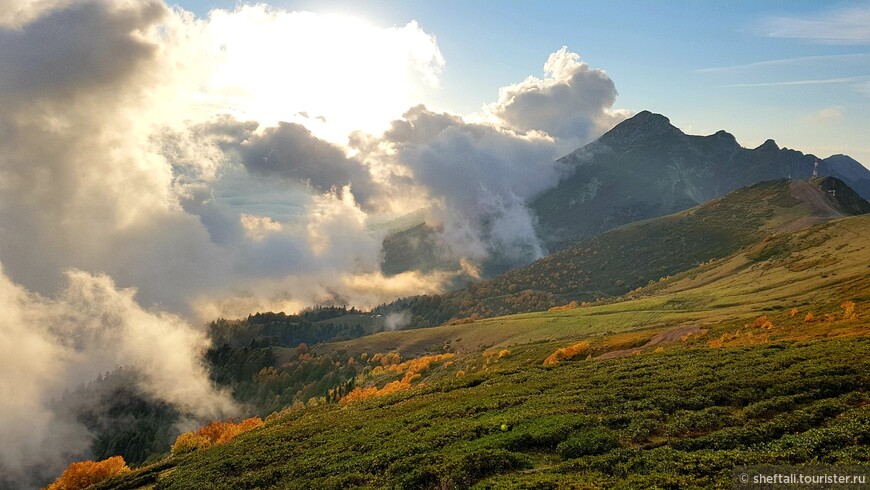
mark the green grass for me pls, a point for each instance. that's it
(683, 417)
(734, 289)
(677, 415)
(634, 255)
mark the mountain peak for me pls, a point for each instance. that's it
(768, 145)
(649, 116)
(643, 125)
(725, 136)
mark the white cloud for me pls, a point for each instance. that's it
(90, 327)
(573, 102)
(804, 62)
(15, 13)
(258, 227)
(811, 81)
(479, 178)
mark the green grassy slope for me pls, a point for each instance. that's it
(673, 419)
(616, 262)
(813, 268)
(637, 408)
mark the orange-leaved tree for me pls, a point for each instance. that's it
(217, 432)
(763, 322)
(566, 353)
(412, 368)
(86, 473)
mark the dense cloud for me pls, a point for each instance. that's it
(99, 177)
(481, 177)
(573, 102)
(14, 13)
(89, 328)
(81, 186)
(144, 169)
(75, 49)
(274, 65)
(291, 152)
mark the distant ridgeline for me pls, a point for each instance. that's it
(645, 168)
(310, 326)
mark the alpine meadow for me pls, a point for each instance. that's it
(334, 244)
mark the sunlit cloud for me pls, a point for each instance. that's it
(259, 227)
(90, 327)
(573, 102)
(332, 73)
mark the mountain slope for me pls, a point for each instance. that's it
(645, 167)
(633, 255)
(753, 379)
(848, 170)
(642, 168)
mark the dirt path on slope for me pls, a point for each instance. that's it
(818, 201)
(666, 337)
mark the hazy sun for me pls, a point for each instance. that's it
(335, 73)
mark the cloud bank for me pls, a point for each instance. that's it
(480, 178)
(91, 327)
(157, 167)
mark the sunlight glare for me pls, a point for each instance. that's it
(332, 73)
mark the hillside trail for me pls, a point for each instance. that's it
(820, 205)
(665, 337)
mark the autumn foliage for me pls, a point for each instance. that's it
(492, 356)
(360, 393)
(86, 473)
(213, 434)
(569, 306)
(412, 370)
(566, 353)
(849, 310)
(762, 322)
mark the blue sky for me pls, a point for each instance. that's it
(687, 60)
